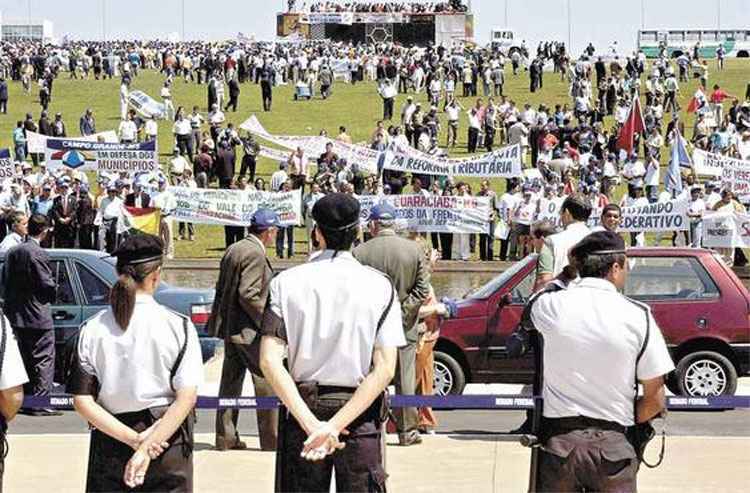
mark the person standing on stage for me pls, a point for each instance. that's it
(138, 403)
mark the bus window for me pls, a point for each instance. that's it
(676, 35)
(508, 35)
(709, 36)
(739, 36)
(648, 36)
(692, 36)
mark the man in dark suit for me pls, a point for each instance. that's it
(234, 95)
(404, 262)
(138, 198)
(29, 288)
(63, 216)
(236, 316)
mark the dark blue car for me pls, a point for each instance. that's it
(84, 278)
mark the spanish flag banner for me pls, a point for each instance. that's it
(142, 219)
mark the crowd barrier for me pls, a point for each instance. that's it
(448, 402)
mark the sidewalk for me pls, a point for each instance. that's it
(472, 464)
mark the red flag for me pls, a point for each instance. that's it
(633, 125)
(698, 101)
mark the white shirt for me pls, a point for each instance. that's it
(589, 355)
(110, 209)
(182, 127)
(11, 240)
(12, 372)
(177, 165)
(652, 175)
(561, 243)
(133, 366)
(151, 127)
(507, 204)
(331, 325)
(128, 130)
(278, 179)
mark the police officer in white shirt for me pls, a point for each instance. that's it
(593, 363)
(12, 377)
(135, 377)
(553, 258)
(341, 337)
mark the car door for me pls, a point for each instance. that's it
(502, 323)
(94, 288)
(66, 309)
(684, 299)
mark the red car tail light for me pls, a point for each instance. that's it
(199, 314)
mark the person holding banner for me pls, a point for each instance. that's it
(695, 215)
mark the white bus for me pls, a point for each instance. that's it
(736, 42)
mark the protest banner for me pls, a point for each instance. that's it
(726, 229)
(233, 207)
(659, 216)
(344, 18)
(434, 213)
(7, 166)
(502, 163)
(37, 143)
(146, 105)
(84, 155)
(550, 211)
(735, 176)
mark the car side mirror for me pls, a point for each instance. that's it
(505, 300)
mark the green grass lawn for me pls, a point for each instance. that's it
(356, 107)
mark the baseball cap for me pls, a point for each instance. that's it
(382, 212)
(264, 219)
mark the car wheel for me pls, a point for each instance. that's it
(706, 373)
(449, 376)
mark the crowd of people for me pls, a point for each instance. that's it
(572, 161)
(568, 144)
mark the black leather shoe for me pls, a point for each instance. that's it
(45, 412)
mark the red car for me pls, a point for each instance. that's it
(699, 303)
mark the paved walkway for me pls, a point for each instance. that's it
(472, 464)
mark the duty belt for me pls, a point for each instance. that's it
(559, 426)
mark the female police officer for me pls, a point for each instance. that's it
(135, 377)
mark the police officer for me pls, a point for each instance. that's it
(553, 258)
(340, 324)
(12, 377)
(241, 296)
(135, 376)
(592, 365)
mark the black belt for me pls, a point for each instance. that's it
(560, 426)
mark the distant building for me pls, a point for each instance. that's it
(17, 30)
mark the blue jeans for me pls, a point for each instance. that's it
(20, 152)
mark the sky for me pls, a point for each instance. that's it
(598, 21)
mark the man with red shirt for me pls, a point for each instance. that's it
(717, 99)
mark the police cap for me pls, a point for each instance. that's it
(599, 243)
(336, 212)
(139, 249)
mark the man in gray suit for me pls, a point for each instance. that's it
(403, 261)
(241, 296)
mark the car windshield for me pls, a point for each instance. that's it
(491, 287)
(113, 262)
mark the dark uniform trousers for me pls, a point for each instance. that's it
(577, 457)
(3, 449)
(358, 466)
(38, 354)
(232, 377)
(170, 472)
